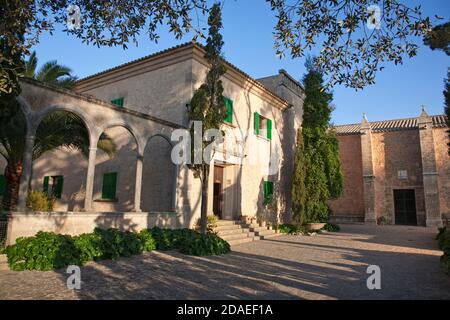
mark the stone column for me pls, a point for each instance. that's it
(26, 172)
(370, 216)
(429, 171)
(175, 187)
(90, 179)
(138, 185)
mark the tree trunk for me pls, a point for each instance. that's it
(204, 205)
(13, 173)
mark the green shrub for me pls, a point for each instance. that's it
(443, 238)
(163, 238)
(115, 243)
(39, 201)
(45, 251)
(331, 227)
(211, 224)
(89, 245)
(189, 242)
(148, 242)
(197, 244)
(292, 229)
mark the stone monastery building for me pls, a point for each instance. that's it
(395, 171)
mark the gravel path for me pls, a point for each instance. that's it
(326, 266)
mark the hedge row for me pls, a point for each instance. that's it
(443, 238)
(47, 250)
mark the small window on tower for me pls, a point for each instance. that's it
(402, 174)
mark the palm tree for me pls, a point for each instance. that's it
(58, 130)
(50, 72)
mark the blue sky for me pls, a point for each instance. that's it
(399, 91)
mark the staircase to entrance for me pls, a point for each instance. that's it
(236, 232)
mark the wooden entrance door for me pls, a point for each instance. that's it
(218, 192)
(405, 207)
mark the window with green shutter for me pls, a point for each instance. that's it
(256, 122)
(57, 186)
(109, 186)
(263, 126)
(118, 102)
(269, 129)
(2, 185)
(268, 192)
(45, 184)
(229, 106)
(53, 186)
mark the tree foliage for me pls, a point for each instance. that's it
(350, 52)
(60, 129)
(102, 23)
(298, 182)
(439, 38)
(51, 72)
(317, 175)
(208, 103)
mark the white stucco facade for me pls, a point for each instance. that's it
(150, 187)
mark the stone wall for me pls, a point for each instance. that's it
(414, 156)
(351, 202)
(393, 152)
(74, 223)
(443, 168)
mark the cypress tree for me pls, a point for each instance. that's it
(317, 171)
(208, 103)
(298, 183)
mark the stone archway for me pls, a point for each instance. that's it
(159, 176)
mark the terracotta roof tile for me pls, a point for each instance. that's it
(439, 121)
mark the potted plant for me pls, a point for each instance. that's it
(315, 226)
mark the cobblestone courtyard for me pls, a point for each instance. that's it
(326, 266)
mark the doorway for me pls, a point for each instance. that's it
(218, 192)
(405, 207)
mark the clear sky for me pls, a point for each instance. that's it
(248, 24)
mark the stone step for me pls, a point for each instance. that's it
(221, 223)
(239, 241)
(258, 228)
(230, 237)
(236, 232)
(228, 227)
(268, 236)
(264, 232)
(224, 232)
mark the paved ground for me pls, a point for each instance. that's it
(327, 266)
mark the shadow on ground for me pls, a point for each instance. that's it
(328, 266)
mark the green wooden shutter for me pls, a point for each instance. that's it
(57, 192)
(2, 185)
(109, 186)
(256, 122)
(118, 102)
(229, 106)
(269, 129)
(45, 184)
(268, 191)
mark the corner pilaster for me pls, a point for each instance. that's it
(429, 171)
(370, 216)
